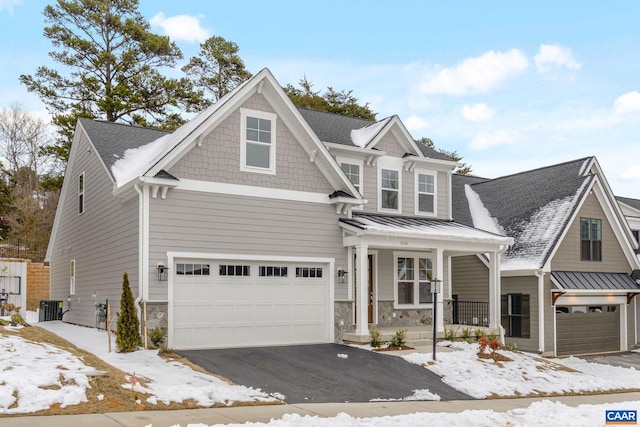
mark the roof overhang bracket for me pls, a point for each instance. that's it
(372, 160)
(630, 296)
(555, 295)
(312, 155)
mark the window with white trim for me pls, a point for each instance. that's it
(81, 193)
(425, 193)
(272, 271)
(309, 272)
(413, 280)
(72, 277)
(354, 174)
(258, 141)
(193, 269)
(389, 189)
(234, 270)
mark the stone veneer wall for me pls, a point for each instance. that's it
(410, 317)
(38, 278)
(343, 311)
(157, 317)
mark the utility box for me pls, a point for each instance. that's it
(50, 310)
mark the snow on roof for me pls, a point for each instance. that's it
(137, 161)
(537, 236)
(480, 214)
(361, 137)
(584, 166)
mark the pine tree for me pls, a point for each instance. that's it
(128, 326)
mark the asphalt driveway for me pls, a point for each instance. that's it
(624, 360)
(322, 373)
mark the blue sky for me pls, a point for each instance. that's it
(509, 86)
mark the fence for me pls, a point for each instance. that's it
(474, 313)
(23, 249)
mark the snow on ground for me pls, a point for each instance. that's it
(525, 374)
(543, 413)
(62, 378)
(166, 381)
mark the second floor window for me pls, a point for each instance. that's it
(353, 173)
(258, 143)
(390, 187)
(426, 193)
(81, 193)
(590, 239)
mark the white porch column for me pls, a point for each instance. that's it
(362, 289)
(440, 275)
(494, 289)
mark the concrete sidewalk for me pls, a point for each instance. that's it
(264, 414)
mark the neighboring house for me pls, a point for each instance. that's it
(258, 223)
(569, 280)
(631, 210)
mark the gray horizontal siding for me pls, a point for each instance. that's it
(212, 223)
(470, 278)
(103, 240)
(528, 286)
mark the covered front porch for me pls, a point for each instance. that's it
(396, 260)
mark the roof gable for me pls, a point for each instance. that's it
(533, 207)
(164, 152)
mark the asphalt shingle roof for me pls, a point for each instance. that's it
(634, 203)
(111, 140)
(533, 207)
(334, 128)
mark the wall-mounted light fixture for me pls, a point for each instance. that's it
(163, 272)
(342, 275)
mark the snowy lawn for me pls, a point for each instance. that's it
(36, 376)
(524, 375)
(543, 413)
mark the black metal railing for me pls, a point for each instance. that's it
(474, 313)
(24, 249)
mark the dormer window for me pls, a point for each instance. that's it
(258, 141)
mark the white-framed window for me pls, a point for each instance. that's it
(425, 194)
(72, 277)
(81, 193)
(257, 141)
(389, 189)
(309, 272)
(412, 281)
(234, 270)
(273, 271)
(353, 170)
(190, 269)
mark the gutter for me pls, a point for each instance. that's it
(141, 246)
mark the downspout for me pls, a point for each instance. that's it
(540, 275)
(498, 293)
(141, 246)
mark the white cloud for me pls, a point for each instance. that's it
(181, 27)
(551, 57)
(627, 103)
(416, 123)
(632, 172)
(477, 75)
(8, 5)
(485, 140)
(478, 112)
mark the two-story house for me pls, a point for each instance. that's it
(569, 281)
(258, 223)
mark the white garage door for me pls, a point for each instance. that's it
(219, 303)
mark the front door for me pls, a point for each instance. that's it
(370, 290)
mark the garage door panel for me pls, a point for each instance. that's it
(593, 332)
(234, 311)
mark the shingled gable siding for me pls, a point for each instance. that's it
(470, 278)
(218, 159)
(103, 241)
(567, 258)
(212, 223)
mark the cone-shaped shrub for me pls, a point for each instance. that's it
(128, 326)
